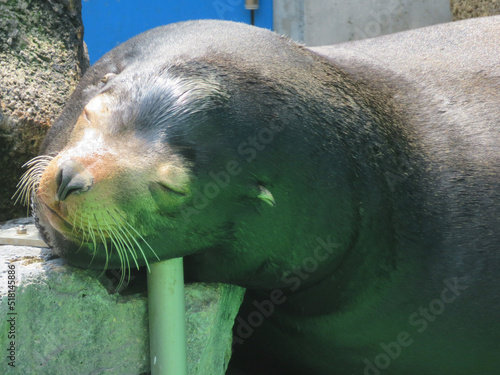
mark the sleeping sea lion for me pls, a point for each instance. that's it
(353, 189)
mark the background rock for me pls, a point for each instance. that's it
(42, 58)
(66, 321)
(462, 9)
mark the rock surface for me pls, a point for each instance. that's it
(42, 58)
(66, 321)
(463, 9)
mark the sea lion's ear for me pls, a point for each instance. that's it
(266, 196)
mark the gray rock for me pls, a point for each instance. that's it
(42, 57)
(66, 321)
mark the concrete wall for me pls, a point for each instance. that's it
(318, 22)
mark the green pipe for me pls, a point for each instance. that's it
(167, 324)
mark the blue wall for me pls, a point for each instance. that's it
(110, 22)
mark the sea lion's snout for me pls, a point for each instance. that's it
(72, 178)
(74, 192)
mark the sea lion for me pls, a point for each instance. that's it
(353, 189)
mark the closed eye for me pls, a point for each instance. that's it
(169, 189)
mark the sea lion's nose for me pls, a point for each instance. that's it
(72, 178)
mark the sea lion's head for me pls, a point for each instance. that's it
(129, 168)
(193, 157)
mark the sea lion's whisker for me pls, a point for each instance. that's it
(74, 228)
(82, 228)
(90, 233)
(126, 242)
(105, 244)
(110, 236)
(79, 230)
(126, 252)
(28, 183)
(122, 253)
(92, 237)
(138, 234)
(130, 235)
(119, 252)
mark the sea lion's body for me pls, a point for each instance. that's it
(382, 253)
